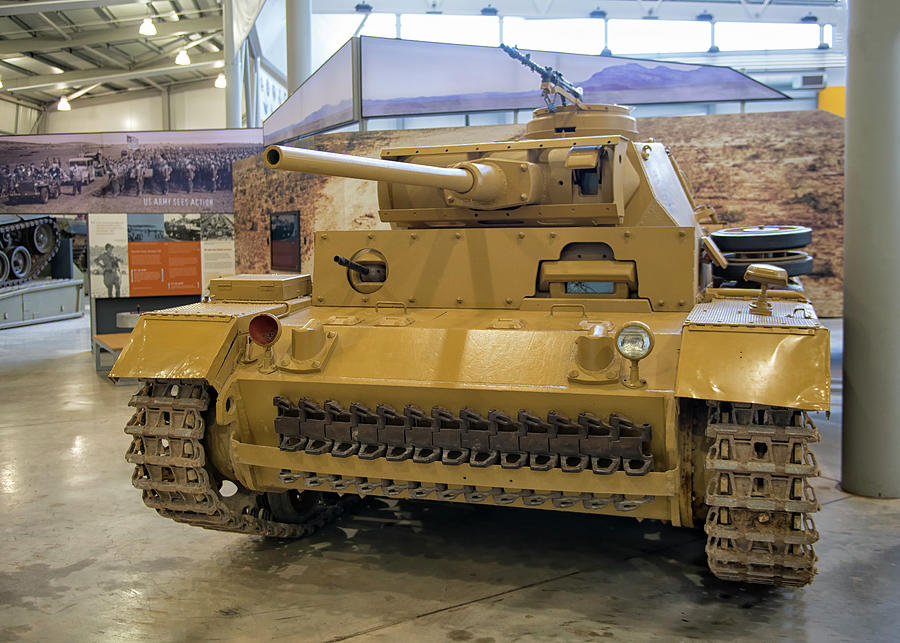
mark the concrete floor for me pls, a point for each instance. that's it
(84, 560)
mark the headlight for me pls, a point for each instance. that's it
(634, 341)
(264, 329)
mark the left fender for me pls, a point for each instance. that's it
(190, 342)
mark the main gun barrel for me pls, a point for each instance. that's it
(280, 157)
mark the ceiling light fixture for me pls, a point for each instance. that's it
(221, 83)
(706, 16)
(489, 10)
(597, 13)
(147, 28)
(63, 105)
(363, 7)
(182, 58)
(809, 19)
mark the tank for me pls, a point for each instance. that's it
(540, 328)
(27, 244)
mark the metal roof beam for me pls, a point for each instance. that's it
(24, 102)
(85, 77)
(24, 26)
(100, 54)
(102, 36)
(20, 8)
(55, 27)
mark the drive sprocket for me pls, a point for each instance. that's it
(174, 474)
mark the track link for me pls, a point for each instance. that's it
(759, 528)
(524, 439)
(416, 490)
(171, 468)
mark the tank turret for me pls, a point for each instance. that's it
(577, 165)
(580, 166)
(570, 178)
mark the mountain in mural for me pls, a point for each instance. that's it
(629, 83)
(634, 76)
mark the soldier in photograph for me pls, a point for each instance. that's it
(114, 179)
(139, 179)
(109, 264)
(213, 176)
(5, 181)
(77, 179)
(166, 176)
(189, 177)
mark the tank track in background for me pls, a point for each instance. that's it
(168, 429)
(758, 527)
(20, 234)
(526, 440)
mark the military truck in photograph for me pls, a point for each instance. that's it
(89, 169)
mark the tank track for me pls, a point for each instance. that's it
(21, 234)
(758, 527)
(466, 493)
(171, 468)
(526, 440)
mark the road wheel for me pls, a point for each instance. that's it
(44, 238)
(45, 195)
(295, 507)
(796, 262)
(20, 262)
(764, 237)
(4, 267)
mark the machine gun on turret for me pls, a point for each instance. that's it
(553, 83)
(352, 265)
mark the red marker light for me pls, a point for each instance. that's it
(265, 329)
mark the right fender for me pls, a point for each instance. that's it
(780, 367)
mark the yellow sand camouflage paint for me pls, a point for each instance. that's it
(468, 355)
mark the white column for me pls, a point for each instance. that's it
(233, 68)
(166, 108)
(871, 421)
(298, 19)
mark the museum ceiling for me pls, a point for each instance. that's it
(73, 48)
(49, 49)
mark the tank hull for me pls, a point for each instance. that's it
(390, 359)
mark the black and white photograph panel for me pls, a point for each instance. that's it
(188, 171)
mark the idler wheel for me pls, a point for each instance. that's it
(43, 238)
(763, 237)
(20, 262)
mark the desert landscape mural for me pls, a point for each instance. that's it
(773, 168)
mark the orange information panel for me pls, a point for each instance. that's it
(164, 268)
